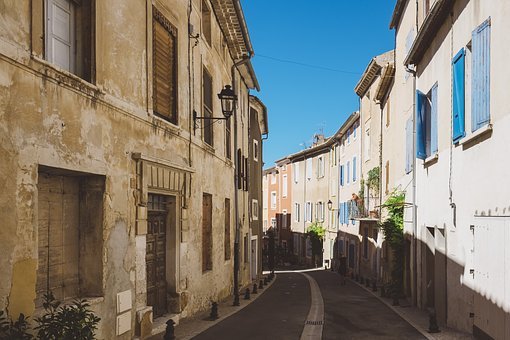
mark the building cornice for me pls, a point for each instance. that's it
(233, 25)
(428, 31)
(387, 75)
(397, 13)
(263, 122)
(367, 78)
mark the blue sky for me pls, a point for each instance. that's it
(339, 37)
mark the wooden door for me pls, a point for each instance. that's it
(156, 254)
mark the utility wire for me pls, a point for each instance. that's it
(306, 65)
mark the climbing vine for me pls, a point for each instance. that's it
(373, 181)
(393, 228)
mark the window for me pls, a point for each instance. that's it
(227, 229)
(273, 178)
(69, 36)
(255, 150)
(273, 200)
(426, 123)
(349, 136)
(458, 106)
(207, 245)
(348, 172)
(320, 167)
(207, 101)
(164, 61)
(296, 172)
(309, 168)
(69, 237)
(354, 169)
(284, 167)
(228, 139)
(273, 223)
(354, 129)
(245, 249)
(206, 22)
(284, 185)
(320, 211)
(480, 80)
(296, 212)
(341, 175)
(308, 212)
(284, 219)
(255, 209)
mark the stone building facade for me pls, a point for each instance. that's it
(112, 190)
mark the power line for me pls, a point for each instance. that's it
(306, 65)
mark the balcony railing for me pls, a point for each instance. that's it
(364, 208)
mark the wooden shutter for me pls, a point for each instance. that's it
(207, 100)
(459, 95)
(164, 38)
(239, 165)
(60, 34)
(206, 232)
(433, 121)
(480, 88)
(420, 125)
(227, 229)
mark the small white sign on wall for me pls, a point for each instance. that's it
(124, 302)
(123, 323)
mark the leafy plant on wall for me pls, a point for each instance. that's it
(393, 228)
(316, 232)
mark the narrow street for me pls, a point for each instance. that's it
(350, 312)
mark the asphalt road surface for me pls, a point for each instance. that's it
(350, 312)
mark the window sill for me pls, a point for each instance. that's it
(475, 135)
(431, 160)
(65, 77)
(166, 125)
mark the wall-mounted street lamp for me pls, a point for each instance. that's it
(330, 206)
(228, 99)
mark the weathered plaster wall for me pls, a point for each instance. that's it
(50, 117)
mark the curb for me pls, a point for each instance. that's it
(189, 328)
(398, 312)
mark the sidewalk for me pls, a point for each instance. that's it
(418, 318)
(191, 327)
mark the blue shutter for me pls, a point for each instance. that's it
(354, 169)
(433, 120)
(409, 146)
(341, 213)
(480, 83)
(459, 95)
(346, 212)
(348, 172)
(341, 175)
(421, 100)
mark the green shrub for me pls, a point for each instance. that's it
(14, 330)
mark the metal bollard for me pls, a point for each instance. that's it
(265, 281)
(247, 294)
(261, 284)
(170, 330)
(254, 291)
(214, 311)
(433, 327)
(395, 301)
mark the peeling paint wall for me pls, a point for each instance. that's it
(51, 118)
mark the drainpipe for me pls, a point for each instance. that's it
(236, 193)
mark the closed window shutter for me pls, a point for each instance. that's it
(409, 146)
(348, 172)
(60, 34)
(480, 86)
(239, 166)
(354, 169)
(164, 65)
(341, 213)
(433, 120)
(346, 212)
(420, 125)
(458, 113)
